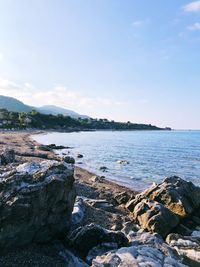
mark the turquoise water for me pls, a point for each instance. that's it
(152, 155)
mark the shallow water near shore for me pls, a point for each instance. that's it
(151, 155)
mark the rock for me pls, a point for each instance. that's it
(83, 239)
(146, 250)
(179, 196)
(97, 179)
(43, 148)
(186, 246)
(7, 156)
(129, 228)
(141, 238)
(36, 202)
(78, 212)
(122, 198)
(155, 217)
(123, 162)
(79, 156)
(69, 160)
(162, 207)
(100, 250)
(53, 146)
(71, 260)
(103, 169)
(100, 204)
(144, 255)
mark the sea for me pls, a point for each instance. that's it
(146, 157)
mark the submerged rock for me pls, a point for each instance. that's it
(103, 169)
(69, 160)
(36, 202)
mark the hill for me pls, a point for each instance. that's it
(12, 104)
(54, 110)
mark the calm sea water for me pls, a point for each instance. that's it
(152, 155)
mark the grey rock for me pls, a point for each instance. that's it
(7, 156)
(186, 246)
(78, 212)
(36, 203)
(136, 256)
(79, 156)
(83, 239)
(122, 198)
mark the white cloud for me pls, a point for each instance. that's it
(140, 23)
(192, 7)
(59, 96)
(194, 27)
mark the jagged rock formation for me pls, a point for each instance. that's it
(162, 207)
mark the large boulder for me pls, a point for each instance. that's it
(162, 207)
(36, 203)
(176, 194)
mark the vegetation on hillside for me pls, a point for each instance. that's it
(34, 119)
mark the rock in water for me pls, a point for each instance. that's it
(36, 203)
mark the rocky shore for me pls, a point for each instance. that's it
(55, 214)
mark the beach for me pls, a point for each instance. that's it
(23, 144)
(103, 210)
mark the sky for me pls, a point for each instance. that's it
(127, 60)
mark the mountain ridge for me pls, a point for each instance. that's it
(15, 105)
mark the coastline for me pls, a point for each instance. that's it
(27, 150)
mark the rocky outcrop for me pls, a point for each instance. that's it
(161, 208)
(7, 156)
(36, 202)
(83, 239)
(146, 250)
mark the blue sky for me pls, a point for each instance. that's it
(136, 60)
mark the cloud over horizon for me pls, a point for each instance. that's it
(59, 96)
